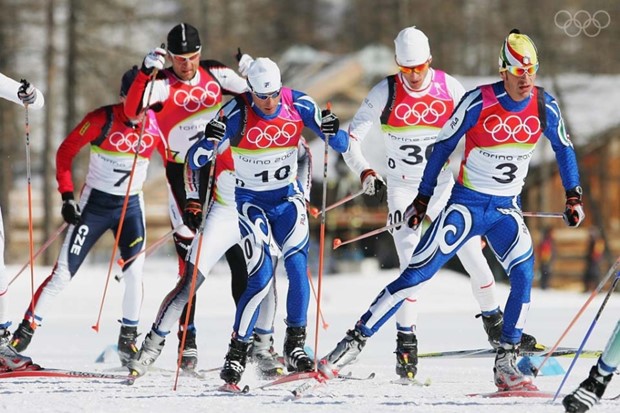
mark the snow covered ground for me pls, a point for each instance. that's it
(446, 322)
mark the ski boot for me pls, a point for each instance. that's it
(264, 355)
(346, 352)
(22, 336)
(189, 358)
(234, 364)
(295, 357)
(493, 327)
(127, 348)
(588, 393)
(10, 359)
(151, 349)
(507, 375)
(406, 355)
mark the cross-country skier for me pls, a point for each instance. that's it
(114, 142)
(185, 96)
(411, 107)
(501, 123)
(592, 389)
(26, 95)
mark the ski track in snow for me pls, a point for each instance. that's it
(446, 322)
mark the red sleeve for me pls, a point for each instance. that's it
(88, 129)
(133, 101)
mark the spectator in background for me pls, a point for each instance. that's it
(594, 258)
(546, 255)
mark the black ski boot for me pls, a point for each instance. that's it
(406, 355)
(189, 359)
(493, 327)
(295, 357)
(234, 366)
(588, 393)
(22, 336)
(127, 343)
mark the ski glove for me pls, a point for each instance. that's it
(27, 93)
(373, 184)
(192, 214)
(415, 213)
(329, 122)
(70, 211)
(156, 59)
(573, 214)
(216, 129)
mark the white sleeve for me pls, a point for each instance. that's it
(368, 113)
(230, 80)
(9, 88)
(455, 88)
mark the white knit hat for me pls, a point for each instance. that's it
(264, 76)
(412, 47)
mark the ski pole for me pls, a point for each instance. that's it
(338, 242)
(30, 224)
(192, 288)
(40, 250)
(594, 293)
(321, 248)
(542, 214)
(585, 339)
(325, 325)
(148, 251)
(121, 219)
(315, 213)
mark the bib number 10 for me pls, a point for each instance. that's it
(280, 174)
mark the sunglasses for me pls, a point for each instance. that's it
(414, 69)
(265, 96)
(184, 58)
(520, 71)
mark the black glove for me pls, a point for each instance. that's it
(216, 129)
(192, 214)
(329, 122)
(373, 184)
(573, 213)
(70, 210)
(27, 93)
(415, 213)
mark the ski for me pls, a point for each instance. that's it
(307, 387)
(350, 376)
(233, 388)
(515, 393)
(131, 378)
(292, 377)
(403, 381)
(58, 373)
(490, 352)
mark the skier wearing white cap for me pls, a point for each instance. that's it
(501, 122)
(411, 107)
(262, 130)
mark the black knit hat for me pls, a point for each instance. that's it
(183, 38)
(128, 78)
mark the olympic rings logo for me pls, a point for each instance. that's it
(512, 128)
(421, 111)
(272, 135)
(197, 97)
(580, 22)
(129, 142)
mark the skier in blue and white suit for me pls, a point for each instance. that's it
(501, 123)
(262, 130)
